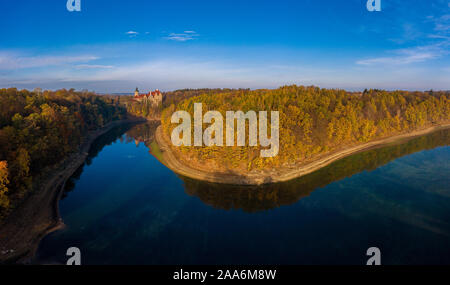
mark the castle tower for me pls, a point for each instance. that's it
(136, 92)
(158, 97)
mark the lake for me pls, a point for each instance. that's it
(125, 207)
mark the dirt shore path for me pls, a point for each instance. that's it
(282, 174)
(38, 215)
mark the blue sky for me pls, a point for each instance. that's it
(114, 46)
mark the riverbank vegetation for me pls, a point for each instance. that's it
(39, 129)
(313, 122)
(252, 198)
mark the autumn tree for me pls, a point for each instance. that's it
(4, 200)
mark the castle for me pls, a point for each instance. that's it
(152, 97)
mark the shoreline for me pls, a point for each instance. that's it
(38, 215)
(281, 174)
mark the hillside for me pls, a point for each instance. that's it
(314, 123)
(39, 129)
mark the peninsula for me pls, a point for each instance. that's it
(317, 127)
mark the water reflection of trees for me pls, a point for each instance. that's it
(257, 198)
(96, 147)
(143, 132)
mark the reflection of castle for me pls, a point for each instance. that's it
(152, 97)
(143, 132)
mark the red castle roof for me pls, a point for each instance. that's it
(151, 93)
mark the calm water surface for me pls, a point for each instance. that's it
(124, 207)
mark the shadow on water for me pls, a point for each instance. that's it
(129, 209)
(259, 198)
(97, 146)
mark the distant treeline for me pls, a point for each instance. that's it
(313, 121)
(174, 97)
(38, 129)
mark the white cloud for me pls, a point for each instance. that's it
(410, 55)
(123, 67)
(442, 24)
(168, 73)
(132, 34)
(434, 36)
(93, 66)
(437, 47)
(182, 37)
(405, 59)
(13, 61)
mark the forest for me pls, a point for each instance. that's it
(149, 111)
(313, 122)
(39, 128)
(174, 97)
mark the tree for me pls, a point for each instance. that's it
(4, 200)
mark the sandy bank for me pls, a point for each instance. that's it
(281, 174)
